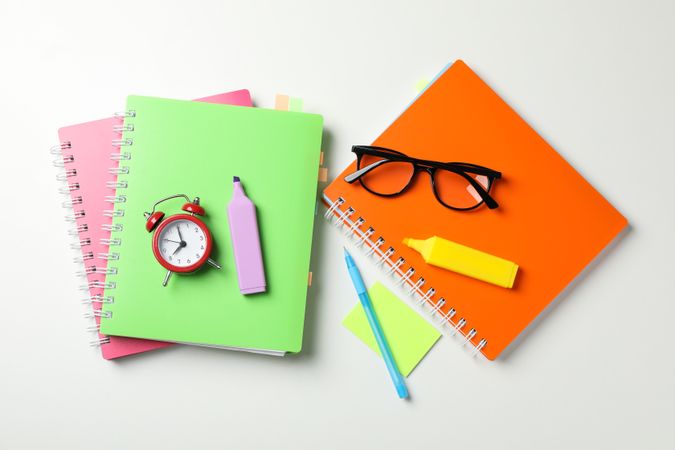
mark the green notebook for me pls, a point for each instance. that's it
(193, 148)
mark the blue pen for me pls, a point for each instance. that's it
(375, 326)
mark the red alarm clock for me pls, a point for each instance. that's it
(181, 243)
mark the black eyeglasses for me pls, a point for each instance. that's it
(388, 173)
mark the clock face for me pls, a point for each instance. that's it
(182, 243)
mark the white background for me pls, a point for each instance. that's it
(595, 78)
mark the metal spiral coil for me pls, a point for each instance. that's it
(378, 243)
(109, 256)
(122, 142)
(123, 156)
(113, 213)
(56, 150)
(385, 257)
(81, 243)
(110, 242)
(70, 187)
(86, 256)
(75, 216)
(61, 162)
(76, 230)
(97, 285)
(94, 270)
(118, 170)
(97, 313)
(116, 199)
(437, 307)
(72, 202)
(365, 236)
(399, 262)
(125, 114)
(111, 227)
(66, 174)
(116, 184)
(100, 341)
(97, 299)
(123, 128)
(427, 296)
(79, 231)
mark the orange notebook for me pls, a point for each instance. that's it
(550, 221)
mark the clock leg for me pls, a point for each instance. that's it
(213, 263)
(166, 278)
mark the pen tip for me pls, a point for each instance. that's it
(235, 179)
(346, 252)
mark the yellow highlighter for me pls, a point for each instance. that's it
(465, 260)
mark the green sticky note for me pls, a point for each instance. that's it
(421, 85)
(295, 104)
(410, 337)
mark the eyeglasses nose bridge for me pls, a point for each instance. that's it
(428, 169)
(424, 168)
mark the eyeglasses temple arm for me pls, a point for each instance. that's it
(489, 201)
(352, 177)
(466, 167)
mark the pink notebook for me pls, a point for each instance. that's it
(89, 155)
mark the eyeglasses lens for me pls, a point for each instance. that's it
(389, 177)
(456, 191)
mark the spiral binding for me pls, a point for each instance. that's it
(97, 299)
(56, 150)
(80, 243)
(123, 156)
(122, 142)
(124, 115)
(113, 213)
(72, 201)
(80, 259)
(98, 270)
(385, 257)
(116, 184)
(78, 228)
(67, 175)
(101, 340)
(97, 285)
(118, 198)
(118, 170)
(111, 227)
(122, 128)
(70, 187)
(75, 216)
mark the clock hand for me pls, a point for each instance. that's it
(175, 242)
(181, 244)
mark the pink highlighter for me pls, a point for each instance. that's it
(246, 242)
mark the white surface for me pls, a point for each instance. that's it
(594, 78)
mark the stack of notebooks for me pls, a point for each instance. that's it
(115, 169)
(551, 221)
